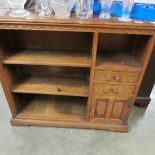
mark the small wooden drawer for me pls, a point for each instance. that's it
(116, 90)
(116, 76)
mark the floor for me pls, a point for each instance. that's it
(58, 141)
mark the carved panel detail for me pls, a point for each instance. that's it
(100, 111)
(117, 109)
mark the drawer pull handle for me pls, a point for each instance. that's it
(114, 90)
(93, 111)
(117, 78)
(59, 90)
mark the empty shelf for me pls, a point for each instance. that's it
(117, 60)
(49, 57)
(51, 107)
(52, 86)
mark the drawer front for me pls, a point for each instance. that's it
(113, 90)
(114, 76)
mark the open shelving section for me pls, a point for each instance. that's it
(72, 72)
(53, 107)
(49, 76)
(117, 59)
(121, 51)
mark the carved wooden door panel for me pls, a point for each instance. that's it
(120, 110)
(112, 110)
(99, 109)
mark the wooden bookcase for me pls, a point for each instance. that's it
(73, 73)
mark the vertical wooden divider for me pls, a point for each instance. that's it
(93, 62)
(147, 55)
(6, 84)
(5, 78)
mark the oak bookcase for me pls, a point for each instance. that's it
(71, 72)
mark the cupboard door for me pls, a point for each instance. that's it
(120, 110)
(114, 110)
(99, 109)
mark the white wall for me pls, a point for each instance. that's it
(146, 1)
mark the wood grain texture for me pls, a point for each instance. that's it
(116, 60)
(50, 40)
(6, 77)
(73, 24)
(49, 71)
(113, 90)
(116, 56)
(116, 76)
(92, 72)
(116, 109)
(45, 57)
(54, 108)
(6, 84)
(101, 108)
(69, 124)
(52, 86)
(146, 54)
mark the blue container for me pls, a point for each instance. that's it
(140, 11)
(97, 7)
(116, 8)
(143, 12)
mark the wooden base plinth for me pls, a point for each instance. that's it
(86, 125)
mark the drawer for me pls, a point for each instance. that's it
(116, 76)
(116, 90)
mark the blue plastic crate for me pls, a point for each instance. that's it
(143, 12)
(139, 11)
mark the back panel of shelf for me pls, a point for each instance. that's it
(49, 48)
(121, 51)
(49, 80)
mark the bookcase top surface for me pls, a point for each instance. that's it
(94, 24)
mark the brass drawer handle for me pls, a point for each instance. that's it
(93, 111)
(117, 78)
(114, 90)
(59, 90)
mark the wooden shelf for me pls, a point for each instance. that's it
(52, 107)
(115, 60)
(52, 86)
(49, 57)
